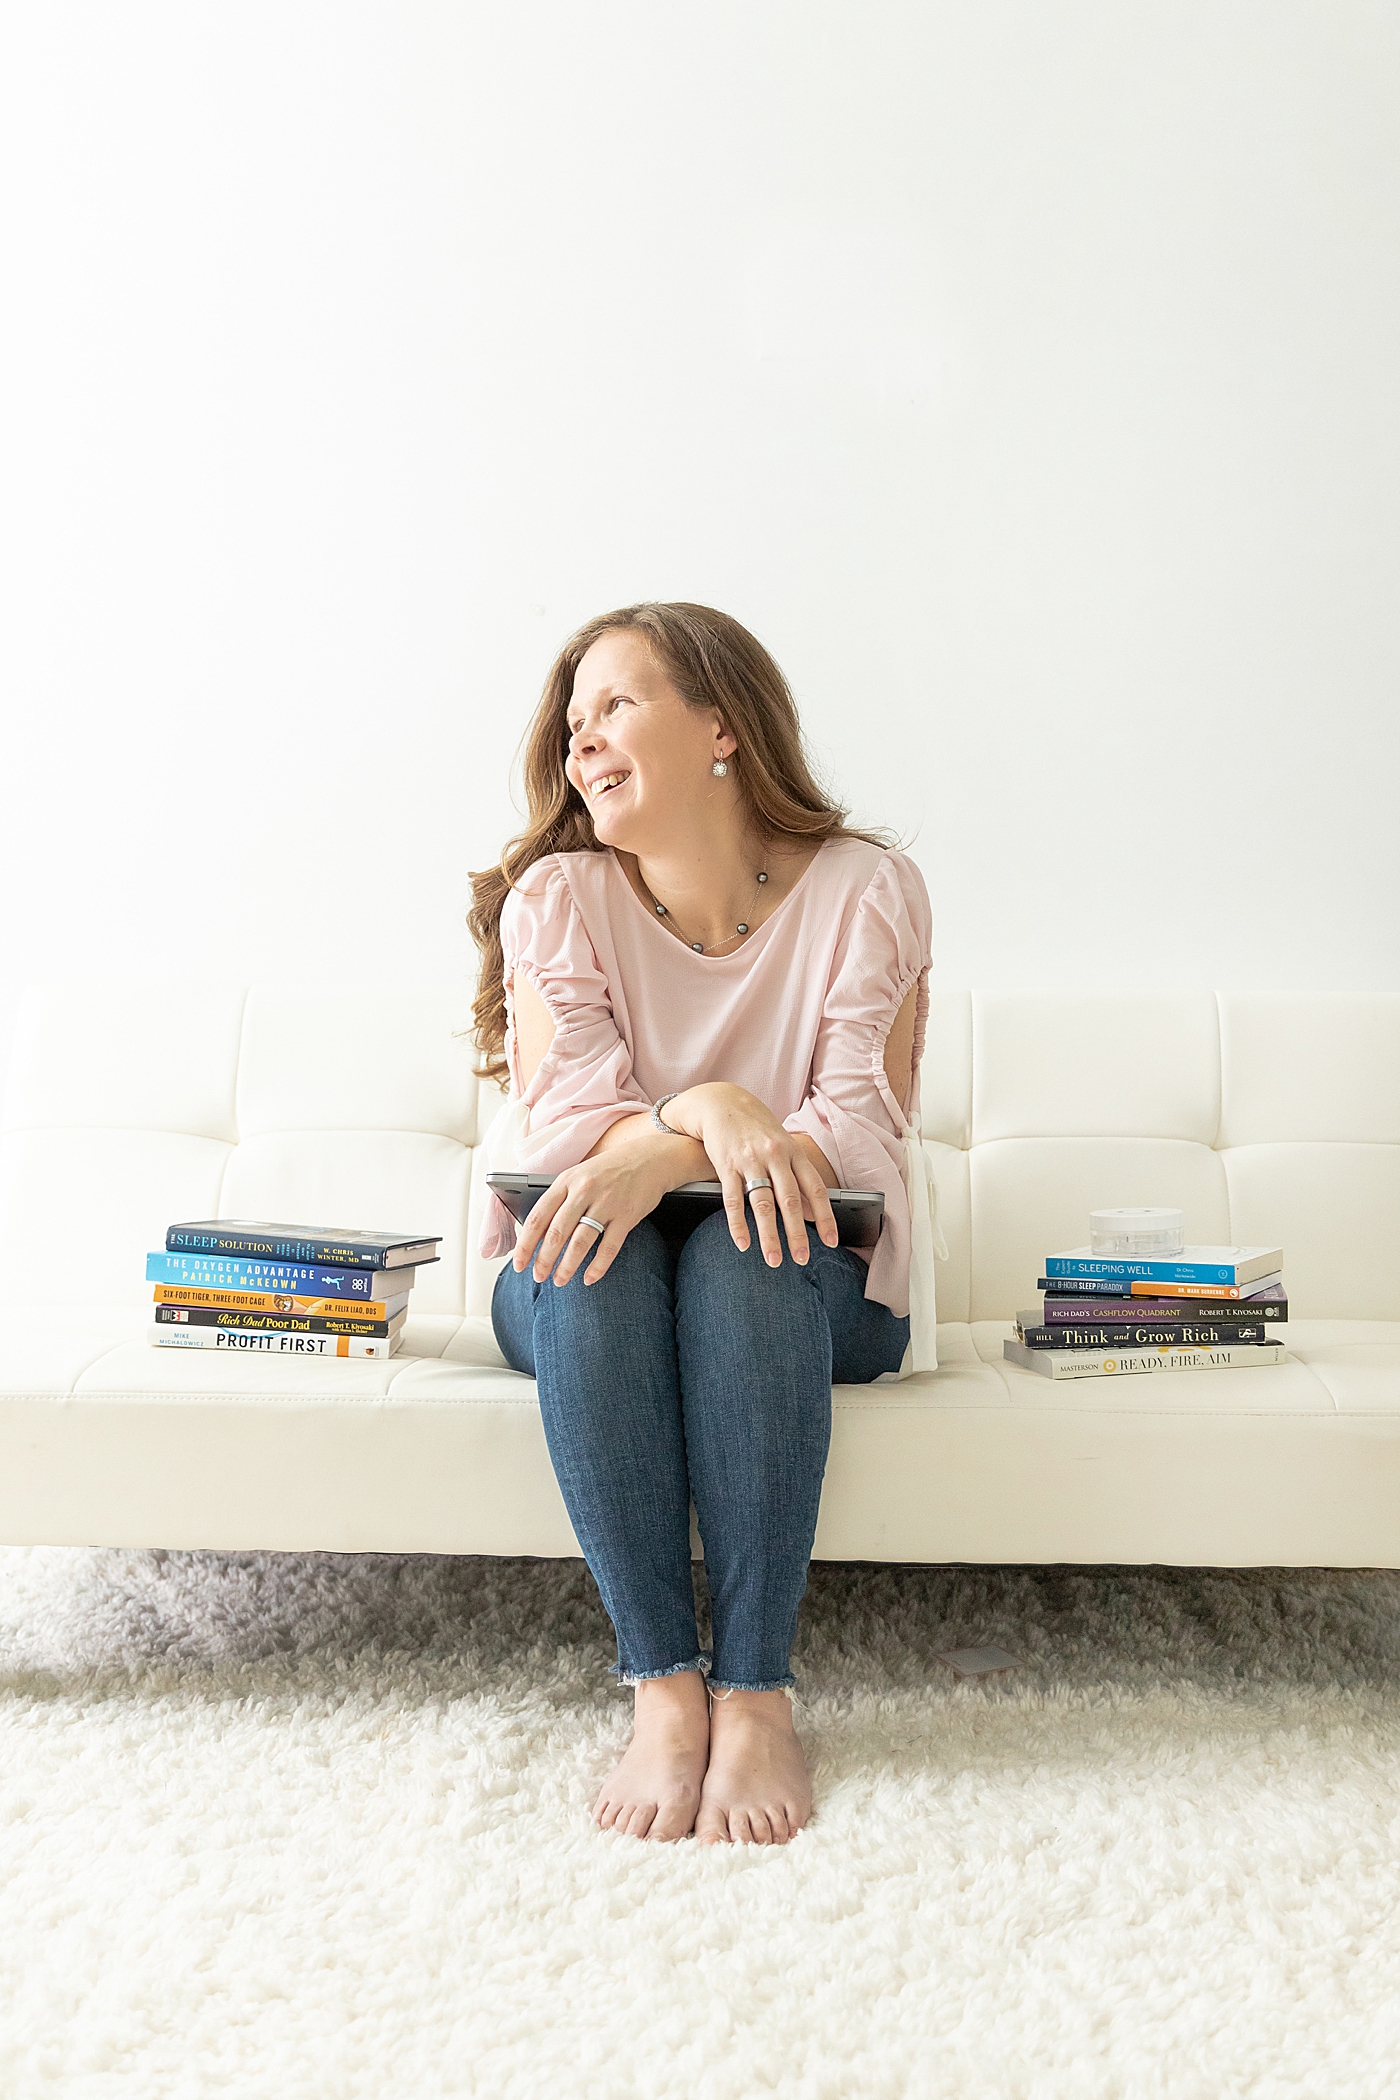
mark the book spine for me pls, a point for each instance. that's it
(1073, 1286)
(334, 1254)
(1234, 1292)
(1197, 1334)
(278, 1302)
(266, 1323)
(270, 1344)
(296, 1279)
(1068, 1312)
(1081, 1286)
(1105, 1363)
(1144, 1271)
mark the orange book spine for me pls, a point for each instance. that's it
(268, 1302)
(1139, 1289)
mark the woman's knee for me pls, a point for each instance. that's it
(753, 1335)
(641, 1261)
(710, 1256)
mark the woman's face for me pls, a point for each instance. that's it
(625, 718)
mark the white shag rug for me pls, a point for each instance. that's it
(315, 1827)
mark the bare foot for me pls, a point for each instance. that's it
(756, 1790)
(655, 1790)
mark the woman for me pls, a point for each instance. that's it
(692, 970)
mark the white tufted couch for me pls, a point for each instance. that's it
(1267, 1117)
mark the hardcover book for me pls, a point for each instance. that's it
(302, 1279)
(337, 1246)
(1113, 1363)
(1230, 1265)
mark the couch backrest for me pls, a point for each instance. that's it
(1266, 1116)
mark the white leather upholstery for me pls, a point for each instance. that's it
(1267, 1116)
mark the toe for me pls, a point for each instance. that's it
(711, 1826)
(640, 1818)
(778, 1826)
(740, 1828)
(674, 1821)
(758, 1827)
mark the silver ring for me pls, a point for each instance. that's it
(594, 1223)
(749, 1186)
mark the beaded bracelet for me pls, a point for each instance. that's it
(656, 1109)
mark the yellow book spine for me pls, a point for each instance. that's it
(268, 1302)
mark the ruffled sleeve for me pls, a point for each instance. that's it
(584, 1083)
(850, 1109)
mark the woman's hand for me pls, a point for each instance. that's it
(633, 1166)
(746, 1142)
(620, 1182)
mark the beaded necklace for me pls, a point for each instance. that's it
(663, 912)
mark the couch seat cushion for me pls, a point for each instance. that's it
(440, 1448)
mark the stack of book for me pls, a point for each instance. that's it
(1206, 1308)
(284, 1290)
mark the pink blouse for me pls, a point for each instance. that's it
(798, 1015)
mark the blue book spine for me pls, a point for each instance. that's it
(228, 1272)
(1153, 1271)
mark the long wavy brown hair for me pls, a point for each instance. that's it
(712, 662)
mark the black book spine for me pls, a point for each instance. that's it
(1123, 1334)
(269, 1323)
(1081, 1287)
(331, 1254)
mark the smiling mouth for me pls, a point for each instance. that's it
(597, 794)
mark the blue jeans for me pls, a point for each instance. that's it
(695, 1370)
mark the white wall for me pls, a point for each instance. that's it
(1024, 374)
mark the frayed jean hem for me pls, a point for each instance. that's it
(630, 1677)
(721, 1690)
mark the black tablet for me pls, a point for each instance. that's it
(858, 1212)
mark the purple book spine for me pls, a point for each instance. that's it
(1069, 1312)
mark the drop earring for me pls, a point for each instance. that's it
(719, 767)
